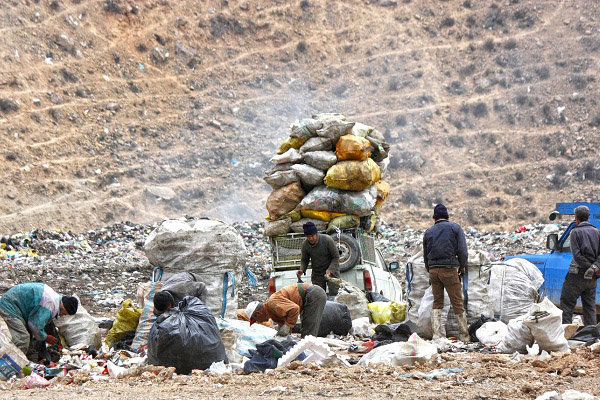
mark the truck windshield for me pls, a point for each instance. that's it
(566, 247)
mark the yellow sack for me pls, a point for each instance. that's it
(351, 147)
(321, 215)
(381, 312)
(353, 175)
(125, 322)
(343, 222)
(291, 143)
(398, 312)
(294, 215)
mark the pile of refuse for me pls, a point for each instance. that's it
(329, 172)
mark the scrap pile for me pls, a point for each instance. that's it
(329, 172)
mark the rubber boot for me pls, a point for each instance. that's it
(463, 328)
(436, 323)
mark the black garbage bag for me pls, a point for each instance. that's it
(186, 337)
(476, 325)
(267, 354)
(336, 318)
(374, 296)
(395, 332)
(588, 334)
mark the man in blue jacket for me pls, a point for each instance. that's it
(445, 254)
(580, 280)
(28, 307)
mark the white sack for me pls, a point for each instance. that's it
(290, 156)
(308, 175)
(355, 299)
(362, 327)
(518, 337)
(424, 317)
(322, 160)
(492, 333)
(414, 350)
(544, 320)
(80, 328)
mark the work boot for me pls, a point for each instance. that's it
(463, 328)
(436, 323)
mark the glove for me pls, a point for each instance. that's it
(284, 330)
(461, 270)
(590, 272)
(299, 273)
(51, 339)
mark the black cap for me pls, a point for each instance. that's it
(440, 212)
(71, 304)
(310, 228)
(162, 301)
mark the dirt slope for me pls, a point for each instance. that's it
(119, 110)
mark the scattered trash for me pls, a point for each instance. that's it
(36, 381)
(433, 374)
(315, 351)
(414, 351)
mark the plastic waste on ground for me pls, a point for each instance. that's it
(433, 374)
(414, 351)
(517, 338)
(355, 299)
(387, 312)
(315, 350)
(36, 381)
(362, 327)
(247, 337)
(12, 360)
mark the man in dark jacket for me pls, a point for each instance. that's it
(580, 280)
(445, 253)
(323, 255)
(178, 286)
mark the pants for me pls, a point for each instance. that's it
(312, 310)
(574, 287)
(320, 280)
(18, 331)
(446, 278)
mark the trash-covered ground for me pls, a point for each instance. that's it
(104, 267)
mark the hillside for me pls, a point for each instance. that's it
(119, 110)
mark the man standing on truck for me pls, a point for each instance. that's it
(445, 254)
(580, 280)
(284, 306)
(323, 255)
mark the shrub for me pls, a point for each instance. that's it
(543, 72)
(519, 176)
(510, 44)
(393, 84)
(409, 196)
(488, 45)
(480, 110)
(301, 47)
(447, 22)
(474, 192)
(400, 120)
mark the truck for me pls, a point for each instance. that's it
(555, 265)
(361, 263)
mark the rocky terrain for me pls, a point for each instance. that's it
(116, 110)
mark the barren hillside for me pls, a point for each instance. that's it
(119, 110)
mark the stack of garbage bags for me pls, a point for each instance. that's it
(329, 172)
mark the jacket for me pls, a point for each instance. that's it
(284, 306)
(585, 247)
(323, 255)
(444, 244)
(34, 303)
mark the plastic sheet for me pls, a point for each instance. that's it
(336, 318)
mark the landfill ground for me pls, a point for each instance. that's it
(485, 376)
(104, 267)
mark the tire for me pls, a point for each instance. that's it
(349, 250)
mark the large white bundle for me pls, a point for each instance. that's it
(544, 320)
(209, 248)
(518, 337)
(414, 351)
(79, 329)
(514, 287)
(418, 281)
(479, 301)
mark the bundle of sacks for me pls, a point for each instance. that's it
(329, 172)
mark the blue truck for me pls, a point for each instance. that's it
(554, 265)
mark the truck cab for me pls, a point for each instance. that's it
(555, 265)
(361, 263)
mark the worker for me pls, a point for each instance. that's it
(284, 306)
(28, 307)
(324, 256)
(174, 289)
(445, 254)
(580, 280)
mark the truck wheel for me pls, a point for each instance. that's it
(349, 250)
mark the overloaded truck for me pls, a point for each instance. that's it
(361, 263)
(554, 265)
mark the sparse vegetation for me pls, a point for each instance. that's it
(510, 44)
(543, 72)
(474, 192)
(301, 46)
(400, 120)
(447, 22)
(456, 141)
(393, 84)
(519, 176)
(409, 196)
(488, 45)
(480, 110)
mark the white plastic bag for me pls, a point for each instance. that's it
(362, 327)
(355, 299)
(544, 320)
(247, 337)
(514, 288)
(518, 337)
(80, 328)
(492, 333)
(417, 279)
(414, 350)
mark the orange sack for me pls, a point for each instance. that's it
(351, 147)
